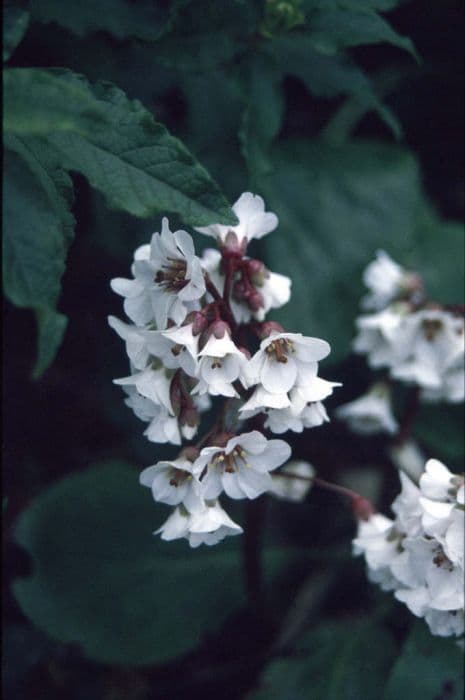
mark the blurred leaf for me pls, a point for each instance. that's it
(429, 667)
(38, 101)
(207, 34)
(331, 30)
(123, 19)
(440, 429)
(439, 256)
(51, 327)
(337, 660)
(38, 229)
(382, 5)
(336, 207)
(138, 166)
(327, 76)
(102, 579)
(15, 22)
(263, 113)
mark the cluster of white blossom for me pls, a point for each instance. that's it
(419, 342)
(193, 324)
(420, 554)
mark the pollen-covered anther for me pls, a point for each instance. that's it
(280, 348)
(431, 328)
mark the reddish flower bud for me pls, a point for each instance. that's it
(265, 329)
(362, 508)
(198, 320)
(255, 300)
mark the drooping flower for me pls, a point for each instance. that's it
(293, 482)
(370, 413)
(173, 482)
(240, 468)
(387, 282)
(208, 525)
(254, 221)
(221, 363)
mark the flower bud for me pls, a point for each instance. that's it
(265, 329)
(257, 272)
(198, 320)
(255, 300)
(176, 394)
(362, 508)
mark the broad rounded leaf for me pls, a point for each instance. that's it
(339, 660)
(102, 580)
(429, 667)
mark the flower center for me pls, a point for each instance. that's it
(431, 329)
(173, 275)
(280, 349)
(441, 560)
(231, 462)
(178, 476)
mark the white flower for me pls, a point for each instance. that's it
(221, 363)
(280, 359)
(173, 483)
(371, 413)
(296, 410)
(208, 525)
(442, 505)
(175, 347)
(163, 426)
(241, 467)
(432, 341)
(378, 336)
(168, 278)
(136, 341)
(407, 509)
(419, 555)
(285, 485)
(378, 541)
(408, 458)
(385, 279)
(254, 222)
(136, 292)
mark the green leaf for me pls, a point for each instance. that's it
(207, 34)
(429, 667)
(103, 581)
(440, 428)
(263, 114)
(327, 76)
(138, 166)
(338, 660)
(333, 30)
(123, 19)
(336, 207)
(38, 229)
(38, 101)
(51, 327)
(15, 22)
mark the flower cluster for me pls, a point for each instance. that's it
(198, 331)
(419, 342)
(420, 554)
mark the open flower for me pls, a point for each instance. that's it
(209, 524)
(371, 413)
(168, 278)
(173, 482)
(387, 281)
(254, 221)
(242, 467)
(221, 363)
